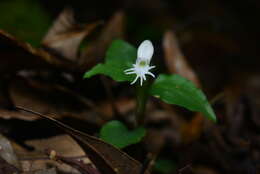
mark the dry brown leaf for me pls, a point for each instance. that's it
(46, 171)
(48, 98)
(80, 165)
(191, 131)
(30, 166)
(17, 55)
(204, 170)
(123, 106)
(64, 23)
(95, 52)
(62, 144)
(7, 114)
(65, 36)
(6, 168)
(7, 152)
(175, 60)
(106, 158)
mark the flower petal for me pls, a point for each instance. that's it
(134, 80)
(145, 50)
(144, 77)
(130, 69)
(132, 72)
(151, 74)
(151, 67)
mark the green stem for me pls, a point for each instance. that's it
(141, 97)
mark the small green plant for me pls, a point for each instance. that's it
(124, 62)
(124, 137)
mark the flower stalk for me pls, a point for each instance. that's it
(141, 101)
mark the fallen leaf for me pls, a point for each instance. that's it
(46, 171)
(106, 158)
(62, 144)
(175, 60)
(6, 168)
(65, 36)
(7, 152)
(49, 98)
(80, 165)
(191, 131)
(35, 165)
(17, 55)
(95, 52)
(8, 114)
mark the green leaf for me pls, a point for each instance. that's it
(117, 134)
(164, 166)
(25, 19)
(119, 57)
(174, 89)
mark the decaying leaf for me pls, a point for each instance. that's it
(95, 52)
(7, 152)
(17, 55)
(107, 158)
(64, 23)
(6, 168)
(175, 60)
(8, 114)
(37, 95)
(49, 98)
(123, 105)
(80, 165)
(43, 164)
(46, 171)
(65, 35)
(62, 144)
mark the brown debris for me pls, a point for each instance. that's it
(98, 151)
(78, 164)
(6, 168)
(95, 52)
(22, 55)
(65, 36)
(175, 60)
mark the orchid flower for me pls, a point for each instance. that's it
(142, 65)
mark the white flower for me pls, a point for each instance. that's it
(142, 64)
